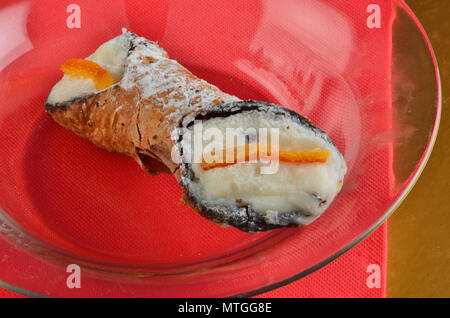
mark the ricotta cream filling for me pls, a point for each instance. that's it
(111, 56)
(293, 187)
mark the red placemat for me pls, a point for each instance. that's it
(348, 276)
(354, 274)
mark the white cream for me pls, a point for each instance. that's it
(294, 187)
(69, 87)
(111, 55)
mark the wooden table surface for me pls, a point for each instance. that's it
(419, 231)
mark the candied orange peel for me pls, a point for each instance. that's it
(262, 151)
(86, 69)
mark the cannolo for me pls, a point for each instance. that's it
(248, 164)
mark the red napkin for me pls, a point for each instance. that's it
(351, 275)
(347, 276)
(111, 222)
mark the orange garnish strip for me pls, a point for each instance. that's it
(262, 151)
(86, 69)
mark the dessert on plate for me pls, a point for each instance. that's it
(248, 164)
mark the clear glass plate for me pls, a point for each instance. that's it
(376, 91)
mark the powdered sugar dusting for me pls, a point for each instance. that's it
(165, 82)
